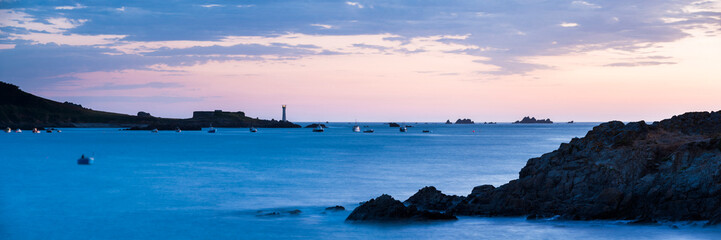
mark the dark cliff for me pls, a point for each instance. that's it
(669, 170)
(19, 109)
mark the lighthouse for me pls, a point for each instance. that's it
(284, 113)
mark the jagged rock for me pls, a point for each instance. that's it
(533, 120)
(464, 121)
(428, 198)
(385, 208)
(667, 171)
(448, 121)
(393, 124)
(335, 208)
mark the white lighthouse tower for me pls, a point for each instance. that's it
(284, 120)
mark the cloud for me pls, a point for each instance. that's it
(121, 9)
(245, 5)
(22, 20)
(76, 6)
(584, 4)
(157, 85)
(211, 5)
(355, 4)
(323, 26)
(568, 24)
(637, 64)
(6, 46)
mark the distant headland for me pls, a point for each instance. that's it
(534, 120)
(464, 121)
(19, 109)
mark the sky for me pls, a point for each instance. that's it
(488, 60)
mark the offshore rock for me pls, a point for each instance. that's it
(533, 120)
(385, 208)
(667, 171)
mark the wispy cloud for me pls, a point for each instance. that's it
(245, 5)
(323, 26)
(211, 5)
(638, 64)
(355, 4)
(568, 24)
(76, 6)
(584, 4)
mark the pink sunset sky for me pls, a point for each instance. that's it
(372, 61)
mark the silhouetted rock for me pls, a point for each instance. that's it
(464, 121)
(19, 109)
(448, 121)
(667, 171)
(393, 124)
(385, 208)
(533, 120)
(335, 208)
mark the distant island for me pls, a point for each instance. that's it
(392, 124)
(19, 109)
(534, 120)
(448, 121)
(464, 121)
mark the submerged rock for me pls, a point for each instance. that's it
(385, 208)
(666, 171)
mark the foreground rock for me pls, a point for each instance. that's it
(385, 208)
(667, 171)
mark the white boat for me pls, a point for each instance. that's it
(8, 130)
(58, 130)
(177, 129)
(318, 128)
(83, 160)
(252, 129)
(356, 128)
(35, 130)
(18, 131)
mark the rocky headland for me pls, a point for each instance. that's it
(19, 109)
(533, 120)
(666, 171)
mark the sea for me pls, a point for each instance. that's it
(277, 183)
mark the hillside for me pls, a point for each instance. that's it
(19, 109)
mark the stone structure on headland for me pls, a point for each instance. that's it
(19, 109)
(666, 171)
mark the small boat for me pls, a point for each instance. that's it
(8, 130)
(252, 129)
(426, 131)
(83, 160)
(177, 129)
(58, 130)
(356, 128)
(155, 130)
(18, 131)
(570, 122)
(211, 130)
(369, 131)
(49, 130)
(319, 128)
(409, 125)
(35, 130)
(404, 129)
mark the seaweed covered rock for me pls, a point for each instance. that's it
(385, 208)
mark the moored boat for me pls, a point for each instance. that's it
(83, 160)
(35, 130)
(404, 129)
(211, 130)
(177, 129)
(356, 128)
(318, 128)
(155, 130)
(252, 129)
(426, 131)
(7, 130)
(18, 130)
(369, 131)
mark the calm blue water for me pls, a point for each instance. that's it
(195, 185)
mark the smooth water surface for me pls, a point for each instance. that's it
(197, 185)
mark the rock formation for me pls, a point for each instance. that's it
(667, 171)
(385, 208)
(533, 120)
(464, 121)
